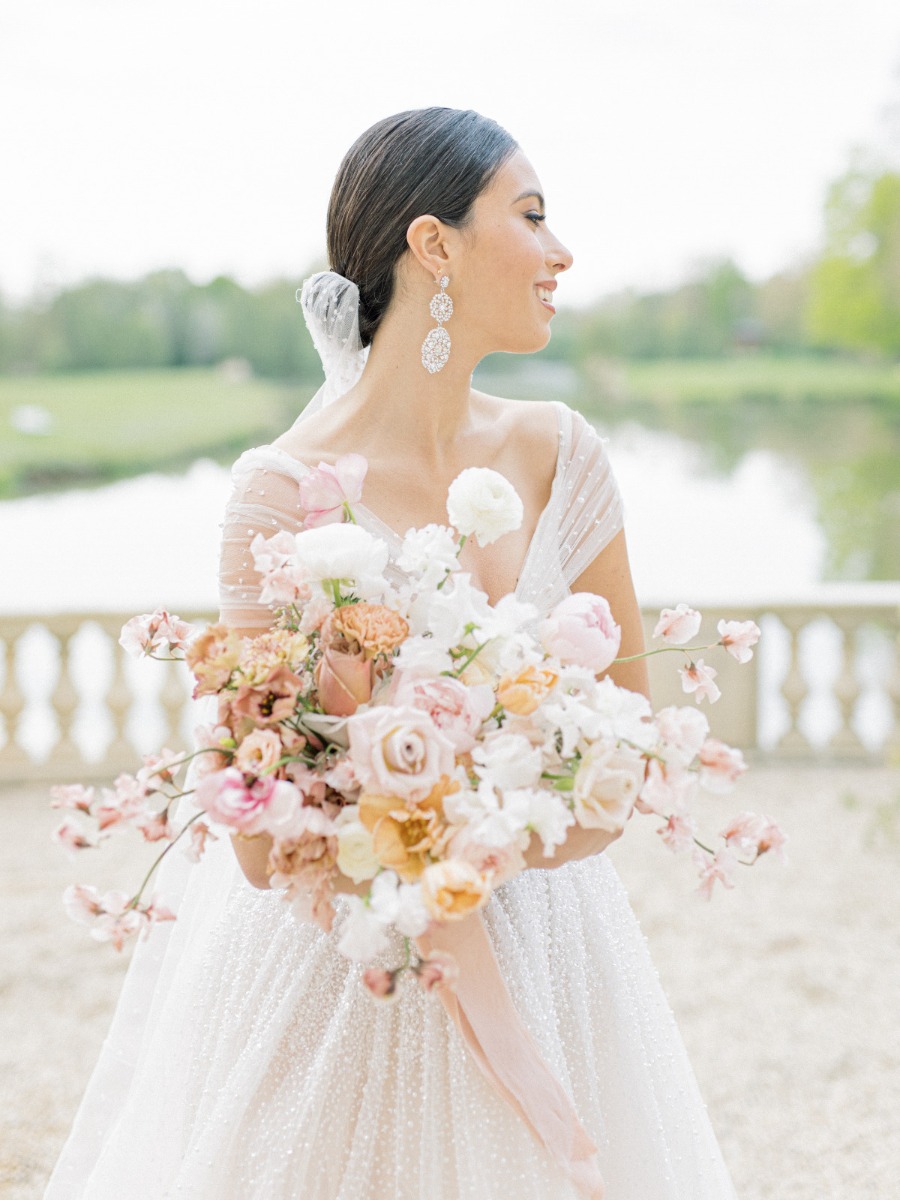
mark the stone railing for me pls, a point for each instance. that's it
(823, 684)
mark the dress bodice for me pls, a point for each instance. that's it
(583, 513)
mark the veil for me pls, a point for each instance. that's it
(197, 893)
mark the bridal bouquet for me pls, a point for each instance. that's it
(412, 739)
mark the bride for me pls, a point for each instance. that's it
(246, 1061)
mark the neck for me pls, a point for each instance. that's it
(397, 403)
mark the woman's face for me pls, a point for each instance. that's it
(508, 261)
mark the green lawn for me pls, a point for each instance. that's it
(750, 375)
(108, 425)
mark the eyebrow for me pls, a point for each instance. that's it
(525, 196)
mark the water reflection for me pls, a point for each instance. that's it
(849, 454)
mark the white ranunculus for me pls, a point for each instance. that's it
(345, 551)
(355, 856)
(484, 503)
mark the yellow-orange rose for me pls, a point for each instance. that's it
(405, 835)
(523, 691)
(453, 889)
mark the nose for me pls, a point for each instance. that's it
(559, 258)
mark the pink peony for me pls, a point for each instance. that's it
(325, 490)
(267, 806)
(677, 625)
(720, 766)
(398, 751)
(738, 637)
(581, 631)
(155, 631)
(458, 711)
(697, 680)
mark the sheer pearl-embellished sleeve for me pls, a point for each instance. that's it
(265, 498)
(591, 510)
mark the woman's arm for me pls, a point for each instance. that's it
(608, 575)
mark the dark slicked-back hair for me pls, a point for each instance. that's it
(424, 160)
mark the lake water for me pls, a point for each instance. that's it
(694, 533)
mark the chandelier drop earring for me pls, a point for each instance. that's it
(436, 347)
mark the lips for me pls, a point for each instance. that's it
(544, 294)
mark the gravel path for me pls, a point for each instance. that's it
(786, 990)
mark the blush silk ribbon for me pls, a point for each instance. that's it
(482, 1010)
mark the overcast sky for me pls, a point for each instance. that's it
(206, 134)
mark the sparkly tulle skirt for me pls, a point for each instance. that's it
(247, 1062)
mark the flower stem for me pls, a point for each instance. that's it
(133, 903)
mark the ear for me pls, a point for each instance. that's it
(430, 242)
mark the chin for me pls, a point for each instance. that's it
(530, 343)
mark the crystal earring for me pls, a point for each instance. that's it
(436, 347)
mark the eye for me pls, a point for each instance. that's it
(535, 217)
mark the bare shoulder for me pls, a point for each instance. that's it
(529, 427)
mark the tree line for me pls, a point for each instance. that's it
(845, 299)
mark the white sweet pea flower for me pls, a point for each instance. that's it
(428, 554)
(347, 552)
(422, 656)
(624, 713)
(455, 606)
(486, 815)
(399, 904)
(509, 761)
(573, 718)
(363, 932)
(483, 503)
(549, 816)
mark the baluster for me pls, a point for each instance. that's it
(64, 698)
(846, 741)
(794, 689)
(173, 698)
(892, 687)
(12, 703)
(120, 753)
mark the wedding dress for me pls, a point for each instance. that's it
(246, 1060)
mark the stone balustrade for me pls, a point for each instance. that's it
(824, 684)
